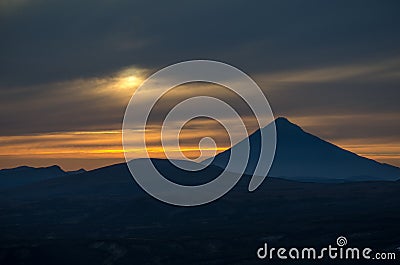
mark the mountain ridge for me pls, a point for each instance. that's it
(303, 156)
(289, 162)
(23, 175)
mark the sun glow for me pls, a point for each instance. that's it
(129, 82)
(130, 78)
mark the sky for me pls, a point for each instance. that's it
(69, 68)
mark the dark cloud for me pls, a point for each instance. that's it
(331, 66)
(45, 41)
(72, 106)
(336, 98)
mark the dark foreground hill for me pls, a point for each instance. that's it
(103, 217)
(19, 176)
(304, 157)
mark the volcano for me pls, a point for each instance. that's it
(302, 156)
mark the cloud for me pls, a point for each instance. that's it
(361, 92)
(81, 104)
(71, 66)
(53, 41)
(383, 70)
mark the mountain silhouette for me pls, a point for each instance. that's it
(104, 215)
(304, 157)
(107, 181)
(13, 177)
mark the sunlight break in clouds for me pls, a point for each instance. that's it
(80, 120)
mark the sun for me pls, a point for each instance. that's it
(132, 81)
(129, 82)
